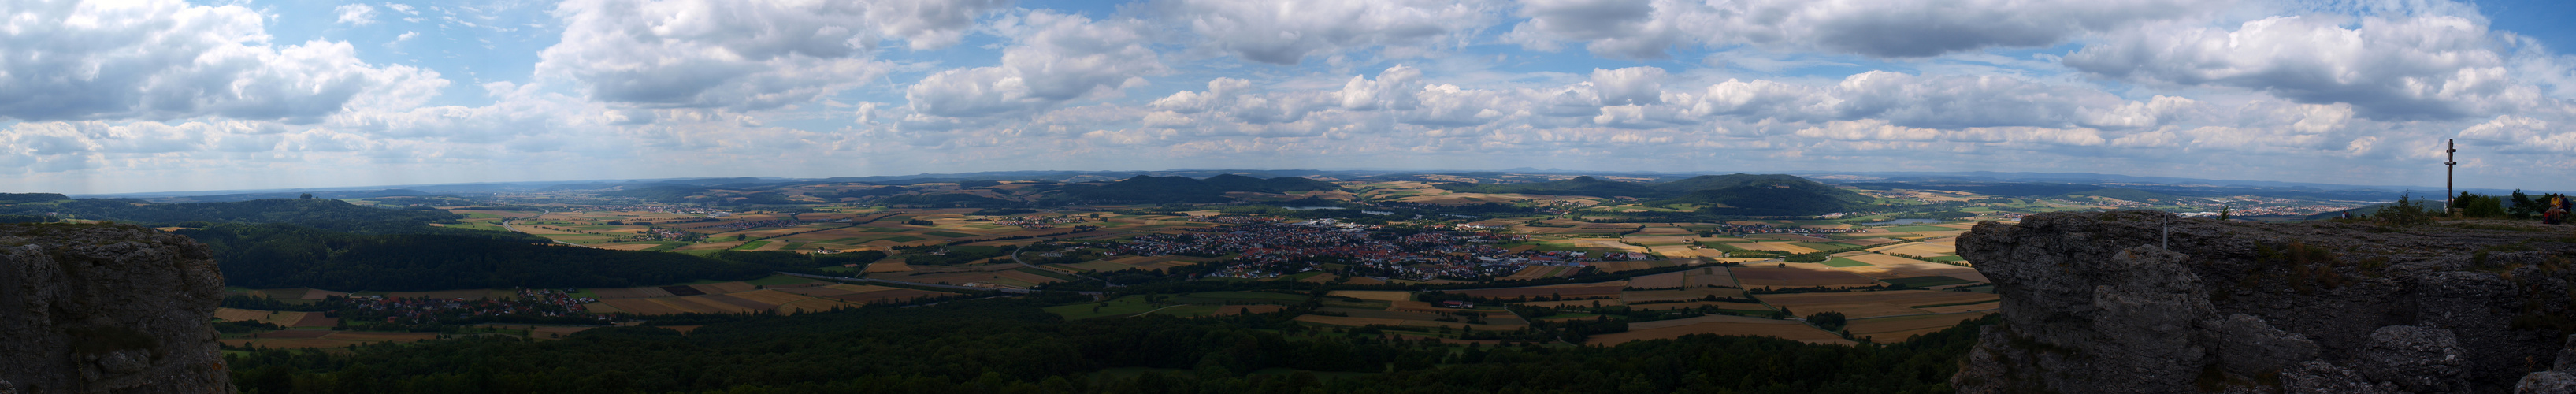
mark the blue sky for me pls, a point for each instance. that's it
(167, 95)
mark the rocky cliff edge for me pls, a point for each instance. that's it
(89, 308)
(2147, 302)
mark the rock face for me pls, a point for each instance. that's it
(107, 309)
(2098, 303)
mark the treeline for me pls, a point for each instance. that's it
(282, 255)
(1008, 345)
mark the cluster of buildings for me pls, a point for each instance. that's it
(1274, 249)
(1732, 228)
(1233, 219)
(1037, 221)
(531, 302)
(662, 234)
(761, 223)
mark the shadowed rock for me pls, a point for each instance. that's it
(107, 309)
(2097, 303)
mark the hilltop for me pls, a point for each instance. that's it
(1734, 194)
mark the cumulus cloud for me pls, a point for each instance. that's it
(1288, 31)
(1054, 58)
(739, 55)
(2406, 67)
(356, 14)
(1647, 29)
(169, 60)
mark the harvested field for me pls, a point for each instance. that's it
(1576, 291)
(888, 266)
(1575, 303)
(1696, 304)
(230, 314)
(1782, 329)
(1870, 241)
(1774, 246)
(1917, 268)
(1631, 265)
(1710, 277)
(640, 306)
(1230, 310)
(1878, 259)
(1658, 281)
(773, 298)
(683, 290)
(815, 291)
(1899, 328)
(1378, 295)
(601, 308)
(315, 320)
(1366, 281)
(1897, 297)
(630, 292)
(683, 305)
(1925, 249)
(470, 294)
(812, 305)
(746, 303)
(1797, 275)
(1855, 311)
(1984, 306)
(725, 287)
(1633, 297)
(895, 295)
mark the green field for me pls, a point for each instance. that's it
(1918, 228)
(901, 238)
(949, 234)
(666, 246)
(1843, 262)
(751, 245)
(1255, 297)
(1824, 245)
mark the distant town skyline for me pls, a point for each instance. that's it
(153, 96)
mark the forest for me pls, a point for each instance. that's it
(285, 255)
(1010, 346)
(310, 212)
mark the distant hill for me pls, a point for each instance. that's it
(1739, 194)
(1763, 195)
(281, 255)
(2132, 195)
(1579, 186)
(319, 212)
(18, 198)
(659, 192)
(1181, 189)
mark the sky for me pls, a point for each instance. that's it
(160, 95)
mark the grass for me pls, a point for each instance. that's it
(901, 238)
(1843, 262)
(1302, 275)
(751, 245)
(1945, 259)
(1219, 297)
(1824, 245)
(663, 247)
(1919, 228)
(948, 234)
(1928, 281)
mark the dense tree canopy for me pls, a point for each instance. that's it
(1008, 345)
(282, 255)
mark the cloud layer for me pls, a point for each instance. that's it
(156, 95)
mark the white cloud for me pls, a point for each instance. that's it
(2408, 67)
(1647, 29)
(1288, 31)
(168, 60)
(739, 55)
(1054, 58)
(402, 8)
(356, 14)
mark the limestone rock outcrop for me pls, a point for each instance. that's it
(2148, 302)
(93, 308)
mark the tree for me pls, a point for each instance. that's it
(306, 196)
(2523, 206)
(1829, 321)
(2222, 212)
